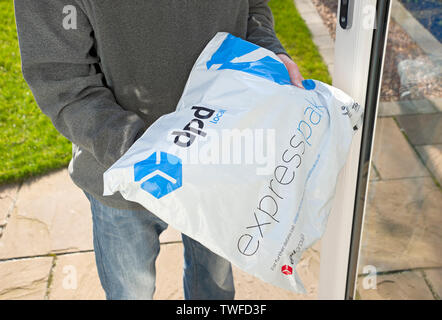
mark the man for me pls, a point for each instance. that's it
(105, 73)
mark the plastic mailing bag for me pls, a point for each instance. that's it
(247, 164)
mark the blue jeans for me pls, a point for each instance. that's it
(126, 246)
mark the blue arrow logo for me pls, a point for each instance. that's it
(159, 174)
(229, 54)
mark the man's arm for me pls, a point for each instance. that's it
(261, 32)
(58, 66)
(260, 27)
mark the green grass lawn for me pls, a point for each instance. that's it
(29, 144)
(296, 39)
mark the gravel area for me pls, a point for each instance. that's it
(404, 59)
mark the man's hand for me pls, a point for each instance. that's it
(292, 68)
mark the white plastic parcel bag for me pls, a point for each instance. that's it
(247, 164)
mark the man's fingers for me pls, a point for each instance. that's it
(295, 76)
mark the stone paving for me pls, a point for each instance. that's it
(402, 237)
(46, 249)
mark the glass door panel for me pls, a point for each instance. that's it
(401, 246)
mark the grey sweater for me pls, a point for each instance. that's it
(126, 64)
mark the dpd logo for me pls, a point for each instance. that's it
(194, 128)
(159, 174)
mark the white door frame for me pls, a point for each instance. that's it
(356, 72)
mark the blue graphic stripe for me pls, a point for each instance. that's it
(234, 47)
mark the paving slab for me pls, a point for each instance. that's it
(428, 43)
(8, 196)
(392, 154)
(423, 128)
(75, 277)
(434, 280)
(328, 55)
(331, 69)
(311, 17)
(432, 157)
(304, 6)
(318, 29)
(374, 176)
(24, 279)
(82, 266)
(402, 225)
(324, 41)
(409, 285)
(169, 268)
(170, 271)
(50, 215)
(394, 108)
(170, 235)
(437, 102)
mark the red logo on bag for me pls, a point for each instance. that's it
(287, 270)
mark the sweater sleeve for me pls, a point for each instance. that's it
(260, 27)
(60, 68)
